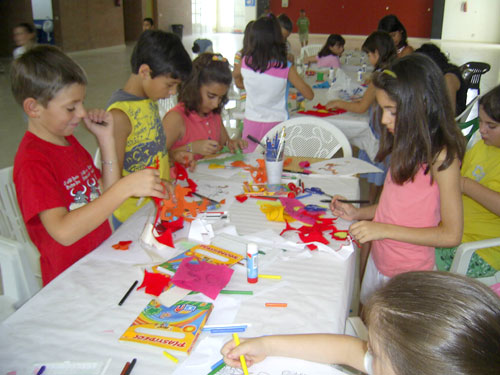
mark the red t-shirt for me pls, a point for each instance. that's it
(48, 176)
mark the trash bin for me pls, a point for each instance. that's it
(177, 29)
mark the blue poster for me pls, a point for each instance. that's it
(249, 3)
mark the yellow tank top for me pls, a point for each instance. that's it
(145, 144)
(482, 164)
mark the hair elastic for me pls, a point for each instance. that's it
(390, 73)
(218, 57)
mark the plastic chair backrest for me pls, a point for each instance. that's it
(463, 256)
(464, 116)
(311, 137)
(165, 105)
(469, 127)
(472, 72)
(11, 220)
(310, 50)
(18, 282)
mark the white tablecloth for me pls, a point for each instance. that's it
(355, 126)
(77, 318)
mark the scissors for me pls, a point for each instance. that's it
(316, 190)
(314, 208)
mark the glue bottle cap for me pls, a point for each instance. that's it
(252, 248)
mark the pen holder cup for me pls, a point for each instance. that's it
(320, 76)
(274, 169)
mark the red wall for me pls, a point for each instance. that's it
(358, 17)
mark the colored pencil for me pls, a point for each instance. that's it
(125, 368)
(170, 356)
(225, 291)
(215, 370)
(242, 357)
(228, 330)
(276, 304)
(346, 200)
(128, 292)
(269, 277)
(217, 364)
(203, 197)
(131, 367)
(290, 171)
(41, 371)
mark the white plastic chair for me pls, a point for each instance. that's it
(464, 116)
(463, 256)
(11, 220)
(354, 326)
(310, 50)
(18, 282)
(165, 105)
(311, 137)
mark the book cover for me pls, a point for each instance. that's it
(207, 253)
(176, 327)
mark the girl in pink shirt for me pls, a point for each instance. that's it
(329, 55)
(195, 124)
(420, 206)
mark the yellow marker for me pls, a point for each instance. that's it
(170, 356)
(269, 277)
(242, 357)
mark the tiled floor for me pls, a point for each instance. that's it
(108, 69)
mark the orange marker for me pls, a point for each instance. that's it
(276, 304)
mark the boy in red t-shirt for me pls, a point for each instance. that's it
(65, 200)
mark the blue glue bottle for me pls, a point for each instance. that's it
(252, 263)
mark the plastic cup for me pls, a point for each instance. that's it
(320, 76)
(274, 169)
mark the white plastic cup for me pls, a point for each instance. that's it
(274, 169)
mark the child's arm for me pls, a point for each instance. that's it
(360, 106)
(67, 227)
(300, 84)
(452, 86)
(447, 233)
(238, 78)
(100, 123)
(489, 199)
(323, 348)
(310, 59)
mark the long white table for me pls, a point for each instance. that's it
(77, 318)
(355, 126)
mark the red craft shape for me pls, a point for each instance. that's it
(122, 245)
(155, 283)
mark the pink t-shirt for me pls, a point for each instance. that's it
(414, 204)
(198, 127)
(330, 61)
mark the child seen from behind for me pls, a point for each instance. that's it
(420, 206)
(266, 73)
(64, 199)
(159, 64)
(195, 124)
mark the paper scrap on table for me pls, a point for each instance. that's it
(203, 277)
(343, 167)
(201, 231)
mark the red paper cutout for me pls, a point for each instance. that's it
(241, 198)
(321, 111)
(155, 283)
(122, 245)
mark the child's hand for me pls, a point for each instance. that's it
(333, 104)
(147, 183)
(366, 231)
(250, 348)
(345, 211)
(236, 144)
(185, 158)
(206, 147)
(100, 123)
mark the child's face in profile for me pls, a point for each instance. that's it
(389, 110)
(211, 96)
(396, 37)
(489, 129)
(161, 87)
(22, 36)
(62, 114)
(373, 57)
